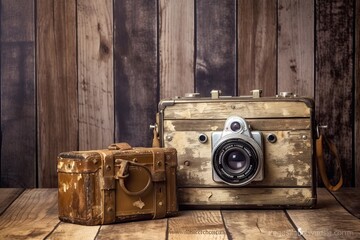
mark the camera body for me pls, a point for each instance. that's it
(117, 184)
(241, 152)
(237, 153)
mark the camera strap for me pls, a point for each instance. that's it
(321, 163)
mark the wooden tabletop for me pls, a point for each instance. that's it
(32, 214)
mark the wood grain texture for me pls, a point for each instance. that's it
(244, 197)
(7, 196)
(56, 85)
(256, 124)
(357, 96)
(35, 211)
(215, 47)
(349, 198)
(176, 39)
(329, 220)
(255, 224)
(74, 231)
(334, 77)
(224, 109)
(136, 75)
(287, 163)
(95, 73)
(197, 225)
(257, 46)
(296, 47)
(152, 229)
(18, 109)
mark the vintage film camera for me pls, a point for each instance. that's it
(117, 184)
(241, 152)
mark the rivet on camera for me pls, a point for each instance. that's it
(304, 137)
(169, 138)
(187, 163)
(271, 138)
(203, 138)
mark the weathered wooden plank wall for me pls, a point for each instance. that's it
(95, 73)
(296, 47)
(334, 76)
(215, 60)
(176, 51)
(57, 93)
(102, 66)
(357, 96)
(257, 34)
(18, 109)
(136, 70)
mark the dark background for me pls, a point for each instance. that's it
(81, 74)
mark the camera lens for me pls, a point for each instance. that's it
(236, 160)
(235, 126)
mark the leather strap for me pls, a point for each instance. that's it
(321, 163)
(160, 204)
(155, 141)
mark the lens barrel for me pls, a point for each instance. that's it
(235, 161)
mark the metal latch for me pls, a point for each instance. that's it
(215, 94)
(318, 127)
(256, 93)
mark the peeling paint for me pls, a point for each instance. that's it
(139, 203)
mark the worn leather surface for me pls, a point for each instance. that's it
(90, 192)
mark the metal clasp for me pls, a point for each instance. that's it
(256, 93)
(215, 94)
(318, 127)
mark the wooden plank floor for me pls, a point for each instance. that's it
(32, 214)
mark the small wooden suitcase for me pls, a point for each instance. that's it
(117, 184)
(284, 128)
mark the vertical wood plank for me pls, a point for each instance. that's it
(136, 74)
(334, 76)
(18, 110)
(216, 47)
(95, 73)
(257, 46)
(296, 47)
(357, 95)
(176, 50)
(56, 85)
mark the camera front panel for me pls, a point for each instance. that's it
(287, 162)
(286, 127)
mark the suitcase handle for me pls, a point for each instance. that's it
(123, 173)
